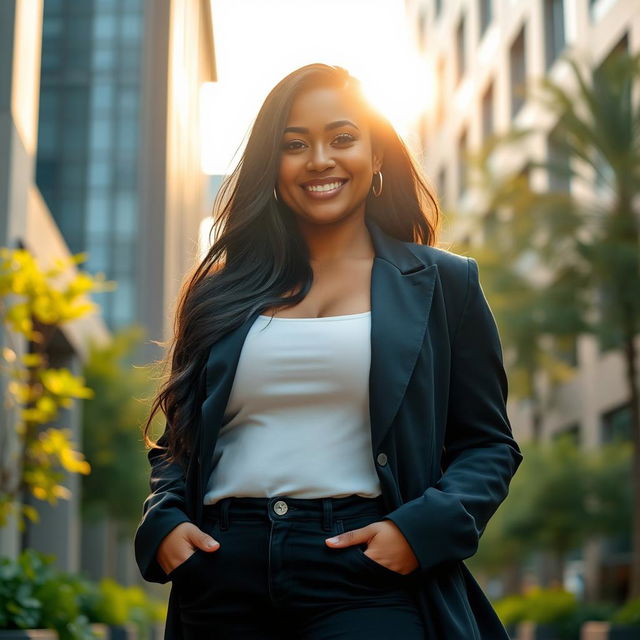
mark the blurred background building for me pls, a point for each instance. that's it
(118, 160)
(98, 112)
(486, 55)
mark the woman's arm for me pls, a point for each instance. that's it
(162, 511)
(480, 457)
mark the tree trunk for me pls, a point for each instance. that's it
(536, 412)
(512, 578)
(634, 394)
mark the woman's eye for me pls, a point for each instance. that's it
(344, 137)
(288, 146)
(297, 145)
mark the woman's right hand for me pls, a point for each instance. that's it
(180, 543)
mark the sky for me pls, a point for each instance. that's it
(258, 42)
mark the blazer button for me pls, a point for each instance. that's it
(382, 459)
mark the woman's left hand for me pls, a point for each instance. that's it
(385, 545)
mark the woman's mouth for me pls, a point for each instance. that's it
(324, 191)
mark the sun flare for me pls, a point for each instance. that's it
(258, 43)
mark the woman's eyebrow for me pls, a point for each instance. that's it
(328, 127)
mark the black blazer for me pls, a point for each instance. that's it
(441, 440)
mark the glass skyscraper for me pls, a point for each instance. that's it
(88, 141)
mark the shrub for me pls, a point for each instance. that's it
(511, 609)
(19, 608)
(628, 614)
(111, 606)
(550, 605)
(35, 595)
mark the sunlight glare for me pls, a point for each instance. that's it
(258, 43)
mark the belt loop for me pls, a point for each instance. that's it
(224, 513)
(327, 515)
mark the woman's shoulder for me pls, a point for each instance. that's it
(453, 267)
(457, 275)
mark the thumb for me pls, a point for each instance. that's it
(204, 541)
(348, 538)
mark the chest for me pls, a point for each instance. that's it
(338, 288)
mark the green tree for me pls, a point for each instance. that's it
(527, 312)
(112, 442)
(561, 496)
(598, 130)
(583, 249)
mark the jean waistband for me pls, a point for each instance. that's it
(288, 508)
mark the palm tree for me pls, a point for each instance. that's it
(599, 127)
(527, 312)
(587, 251)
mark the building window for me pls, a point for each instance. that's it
(442, 183)
(559, 170)
(438, 9)
(518, 72)
(596, 9)
(422, 27)
(615, 425)
(487, 112)
(440, 91)
(486, 15)
(566, 349)
(573, 431)
(490, 225)
(553, 29)
(462, 163)
(461, 57)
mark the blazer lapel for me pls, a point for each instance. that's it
(401, 293)
(402, 289)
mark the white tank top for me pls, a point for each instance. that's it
(297, 420)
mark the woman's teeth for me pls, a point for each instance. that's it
(324, 187)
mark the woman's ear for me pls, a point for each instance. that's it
(378, 157)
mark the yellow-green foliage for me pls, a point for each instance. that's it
(548, 605)
(511, 609)
(34, 594)
(629, 613)
(35, 302)
(537, 605)
(112, 605)
(39, 296)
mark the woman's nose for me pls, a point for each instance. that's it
(320, 160)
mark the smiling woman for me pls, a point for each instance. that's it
(339, 463)
(327, 157)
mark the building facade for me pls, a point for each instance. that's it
(118, 159)
(486, 55)
(100, 139)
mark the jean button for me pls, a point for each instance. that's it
(280, 507)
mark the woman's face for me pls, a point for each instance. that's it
(327, 161)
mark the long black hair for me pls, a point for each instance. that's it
(259, 256)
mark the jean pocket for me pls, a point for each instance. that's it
(186, 568)
(358, 551)
(175, 574)
(376, 566)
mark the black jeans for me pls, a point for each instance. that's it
(273, 576)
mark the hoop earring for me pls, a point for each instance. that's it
(378, 193)
(275, 195)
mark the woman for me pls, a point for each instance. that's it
(336, 433)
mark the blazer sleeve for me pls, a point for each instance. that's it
(480, 455)
(162, 511)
